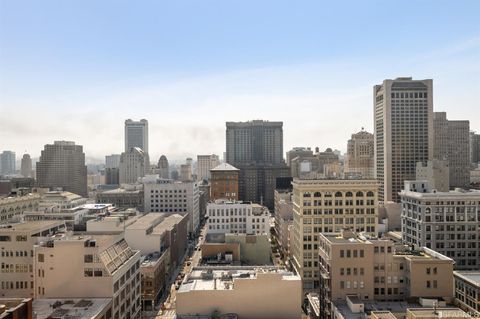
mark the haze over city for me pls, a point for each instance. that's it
(76, 71)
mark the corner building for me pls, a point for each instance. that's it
(326, 206)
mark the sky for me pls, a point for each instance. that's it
(75, 70)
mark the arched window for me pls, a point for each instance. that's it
(338, 194)
(370, 194)
(348, 194)
(307, 194)
(359, 194)
(317, 194)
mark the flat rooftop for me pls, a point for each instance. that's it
(30, 225)
(70, 308)
(222, 277)
(472, 276)
(167, 223)
(392, 306)
(147, 221)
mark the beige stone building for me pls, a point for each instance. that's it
(403, 117)
(12, 208)
(16, 251)
(360, 155)
(353, 264)
(134, 164)
(96, 266)
(328, 206)
(436, 172)
(204, 164)
(254, 293)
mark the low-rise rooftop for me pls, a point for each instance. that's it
(30, 226)
(471, 276)
(223, 277)
(71, 308)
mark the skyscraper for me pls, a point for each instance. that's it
(136, 135)
(163, 167)
(133, 164)
(360, 155)
(112, 161)
(403, 117)
(255, 142)
(256, 148)
(451, 140)
(474, 148)
(204, 164)
(62, 164)
(26, 168)
(7, 162)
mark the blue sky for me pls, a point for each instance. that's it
(76, 69)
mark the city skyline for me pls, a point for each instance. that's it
(65, 79)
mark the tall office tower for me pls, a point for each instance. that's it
(446, 222)
(474, 148)
(7, 162)
(163, 167)
(326, 206)
(451, 142)
(133, 164)
(136, 135)
(62, 164)
(204, 164)
(26, 167)
(256, 148)
(360, 155)
(112, 161)
(186, 172)
(403, 117)
(298, 152)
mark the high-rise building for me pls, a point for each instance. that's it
(326, 206)
(204, 164)
(186, 172)
(136, 135)
(7, 162)
(62, 165)
(256, 148)
(112, 161)
(255, 142)
(168, 196)
(134, 164)
(163, 167)
(451, 140)
(474, 148)
(112, 176)
(403, 117)
(26, 167)
(446, 222)
(224, 182)
(361, 155)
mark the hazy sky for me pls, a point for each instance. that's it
(75, 70)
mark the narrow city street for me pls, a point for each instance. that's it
(191, 259)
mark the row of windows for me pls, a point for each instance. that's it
(20, 253)
(348, 253)
(10, 285)
(338, 194)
